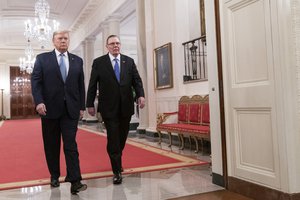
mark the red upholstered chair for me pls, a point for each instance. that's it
(205, 114)
(194, 116)
(182, 118)
(192, 120)
(195, 113)
(205, 121)
(183, 112)
(198, 114)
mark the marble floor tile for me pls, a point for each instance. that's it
(157, 185)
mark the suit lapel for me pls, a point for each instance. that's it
(54, 60)
(110, 67)
(123, 67)
(71, 65)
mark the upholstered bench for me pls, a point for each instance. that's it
(191, 119)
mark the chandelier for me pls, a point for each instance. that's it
(41, 30)
(27, 63)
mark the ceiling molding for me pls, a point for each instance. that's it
(86, 12)
(82, 17)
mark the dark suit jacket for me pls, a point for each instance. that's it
(114, 96)
(48, 86)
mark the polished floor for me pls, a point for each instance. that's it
(215, 195)
(166, 184)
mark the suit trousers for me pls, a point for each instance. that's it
(53, 130)
(117, 132)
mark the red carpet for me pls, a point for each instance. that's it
(23, 161)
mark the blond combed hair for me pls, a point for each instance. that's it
(59, 32)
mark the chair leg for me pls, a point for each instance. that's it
(197, 145)
(202, 145)
(170, 139)
(190, 141)
(159, 137)
(181, 141)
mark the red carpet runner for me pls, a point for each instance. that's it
(23, 161)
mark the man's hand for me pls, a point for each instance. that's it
(91, 111)
(81, 114)
(41, 109)
(141, 102)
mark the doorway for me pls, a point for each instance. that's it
(21, 101)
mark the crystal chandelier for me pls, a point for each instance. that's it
(27, 63)
(40, 30)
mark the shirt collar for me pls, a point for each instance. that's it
(58, 53)
(112, 57)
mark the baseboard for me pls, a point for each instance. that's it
(218, 179)
(133, 126)
(151, 134)
(141, 131)
(256, 191)
(90, 121)
(147, 133)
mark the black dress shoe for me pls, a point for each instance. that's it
(54, 183)
(117, 179)
(77, 187)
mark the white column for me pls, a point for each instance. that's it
(111, 26)
(81, 53)
(114, 25)
(105, 34)
(148, 22)
(88, 57)
(88, 54)
(142, 58)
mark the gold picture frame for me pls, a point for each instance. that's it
(202, 17)
(163, 71)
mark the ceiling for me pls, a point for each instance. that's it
(13, 13)
(69, 13)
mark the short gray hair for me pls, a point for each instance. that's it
(111, 36)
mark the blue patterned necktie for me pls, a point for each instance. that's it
(117, 69)
(62, 67)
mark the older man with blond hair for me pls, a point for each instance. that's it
(58, 90)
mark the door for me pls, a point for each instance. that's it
(249, 63)
(22, 105)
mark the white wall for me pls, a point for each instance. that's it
(5, 84)
(175, 22)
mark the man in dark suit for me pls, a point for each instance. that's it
(116, 76)
(57, 83)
